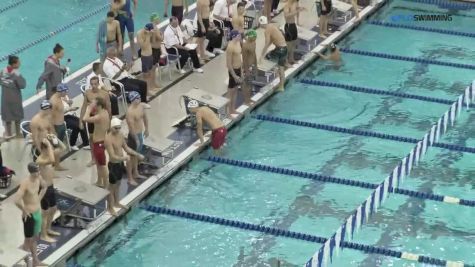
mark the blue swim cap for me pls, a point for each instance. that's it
(234, 33)
(133, 96)
(62, 87)
(149, 26)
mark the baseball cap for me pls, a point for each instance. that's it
(115, 122)
(193, 104)
(149, 26)
(45, 104)
(133, 95)
(62, 87)
(251, 34)
(263, 20)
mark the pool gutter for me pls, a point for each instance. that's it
(60, 256)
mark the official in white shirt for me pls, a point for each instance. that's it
(116, 70)
(223, 11)
(173, 37)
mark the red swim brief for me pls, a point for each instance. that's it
(218, 136)
(98, 149)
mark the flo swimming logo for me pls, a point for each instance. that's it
(416, 17)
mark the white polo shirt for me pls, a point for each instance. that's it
(112, 66)
(89, 77)
(173, 36)
(222, 9)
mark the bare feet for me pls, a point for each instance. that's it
(39, 263)
(139, 176)
(47, 238)
(112, 211)
(99, 185)
(132, 182)
(250, 103)
(60, 168)
(54, 233)
(91, 163)
(120, 206)
(280, 89)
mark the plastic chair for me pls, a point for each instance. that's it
(123, 95)
(173, 58)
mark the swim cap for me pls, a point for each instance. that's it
(62, 87)
(333, 46)
(154, 17)
(149, 26)
(263, 20)
(251, 34)
(33, 167)
(193, 104)
(234, 33)
(45, 104)
(133, 95)
(115, 122)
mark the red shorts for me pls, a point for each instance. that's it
(98, 150)
(218, 136)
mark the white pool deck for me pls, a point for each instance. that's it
(164, 113)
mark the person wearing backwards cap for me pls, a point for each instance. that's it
(249, 64)
(27, 199)
(137, 123)
(115, 144)
(219, 132)
(144, 39)
(58, 110)
(234, 64)
(274, 36)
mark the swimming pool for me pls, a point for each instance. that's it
(283, 201)
(26, 22)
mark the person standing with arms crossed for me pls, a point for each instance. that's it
(291, 11)
(177, 9)
(53, 72)
(234, 64)
(137, 122)
(48, 202)
(27, 199)
(115, 144)
(101, 120)
(12, 82)
(249, 65)
(144, 38)
(274, 36)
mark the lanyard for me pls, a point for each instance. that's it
(176, 35)
(113, 62)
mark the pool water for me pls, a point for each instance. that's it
(429, 228)
(26, 23)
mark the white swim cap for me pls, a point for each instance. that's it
(193, 104)
(263, 20)
(115, 122)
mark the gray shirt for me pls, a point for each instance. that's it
(12, 103)
(52, 75)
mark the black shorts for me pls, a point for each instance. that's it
(199, 32)
(131, 142)
(29, 225)
(328, 5)
(177, 11)
(279, 54)
(147, 63)
(90, 128)
(116, 171)
(232, 83)
(49, 199)
(291, 32)
(156, 53)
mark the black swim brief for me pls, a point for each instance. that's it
(291, 32)
(116, 171)
(199, 32)
(49, 199)
(232, 82)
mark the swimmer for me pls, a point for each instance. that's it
(274, 36)
(57, 114)
(238, 19)
(97, 114)
(115, 144)
(234, 64)
(144, 39)
(48, 202)
(177, 9)
(291, 11)
(27, 199)
(219, 132)
(137, 122)
(109, 35)
(334, 54)
(249, 64)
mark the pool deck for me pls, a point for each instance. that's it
(166, 112)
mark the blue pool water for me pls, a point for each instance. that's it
(426, 227)
(27, 22)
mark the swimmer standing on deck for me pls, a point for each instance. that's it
(219, 132)
(27, 199)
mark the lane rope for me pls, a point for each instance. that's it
(337, 129)
(375, 91)
(291, 234)
(445, 4)
(55, 32)
(410, 59)
(12, 5)
(338, 180)
(420, 28)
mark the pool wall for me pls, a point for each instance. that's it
(59, 257)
